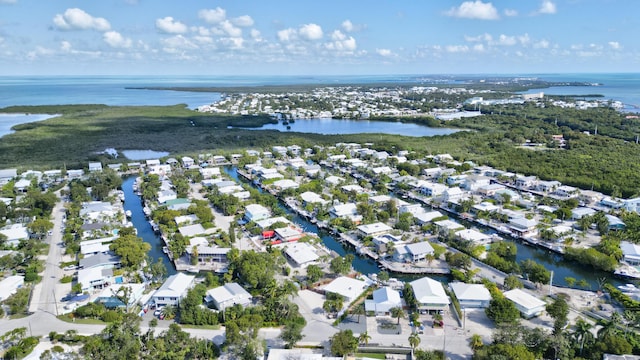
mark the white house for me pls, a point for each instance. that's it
(452, 194)
(309, 197)
(95, 167)
(228, 295)
(191, 230)
(346, 287)
(419, 251)
(474, 236)
(301, 254)
(9, 286)
(471, 295)
(95, 278)
(523, 227)
(430, 294)
(15, 233)
(173, 290)
(579, 213)
(384, 299)
(256, 212)
(630, 252)
(375, 229)
(528, 304)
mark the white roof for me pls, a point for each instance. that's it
(301, 252)
(449, 224)
(472, 235)
(630, 249)
(427, 216)
(286, 184)
(380, 198)
(9, 285)
(90, 248)
(15, 232)
(386, 295)
(311, 197)
(345, 209)
(374, 228)
(474, 292)
(265, 223)
(347, 287)
(229, 292)
(86, 276)
(356, 188)
(175, 286)
(191, 230)
(418, 248)
(255, 209)
(524, 299)
(429, 291)
(186, 219)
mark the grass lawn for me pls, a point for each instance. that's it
(370, 355)
(69, 319)
(206, 327)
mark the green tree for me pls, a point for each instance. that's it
(131, 249)
(475, 342)
(414, 340)
(343, 343)
(314, 273)
(40, 227)
(535, 272)
(512, 282)
(341, 265)
(502, 310)
(364, 338)
(559, 311)
(291, 334)
(397, 312)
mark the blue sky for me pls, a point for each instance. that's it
(297, 37)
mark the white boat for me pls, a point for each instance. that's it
(628, 288)
(165, 249)
(128, 213)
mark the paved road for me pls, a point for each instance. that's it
(46, 294)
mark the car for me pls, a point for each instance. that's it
(157, 312)
(70, 267)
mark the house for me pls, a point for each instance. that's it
(173, 290)
(285, 184)
(379, 200)
(484, 207)
(228, 295)
(289, 233)
(187, 162)
(266, 223)
(209, 172)
(433, 189)
(615, 223)
(100, 260)
(447, 226)
(7, 175)
(525, 182)
(452, 194)
(547, 186)
(166, 195)
(630, 253)
(97, 210)
(566, 192)
(95, 167)
(425, 217)
(211, 254)
(346, 287)
(256, 212)
(430, 294)
(579, 213)
(431, 172)
(309, 197)
(471, 295)
(301, 254)
(333, 180)
(191, 230)
(95, 278)
(490, 190)
(185, 219)
(15, 233)
(74, 174)
(528, 305)
(111, 296)
(419, 251)
(22, 185)
(348, 210)
(456, 179)
(375, 229)
(178, 204)
(10, 285)
(476, 237)
(384, 299)
(380, 242)
(475, 182)
(523, 227)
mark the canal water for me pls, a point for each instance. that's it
(133, 203)
(554, 262)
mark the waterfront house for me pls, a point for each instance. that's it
(566, 192)
(475, 182)
(107, 260)
(375, 229)
(173, 290)
(579, 213)
(453, 194)
(630, 253)
(228, 295)
(256, 212)
(97, 210)
(348, 210)
(210, 254)
(432, 189)
(525, 182)
(309, 197)
(547, 186)
(484, 207)
(490, 190)
(476, 237)
(289, 233)
(301, 254)
(426, 217)
(285, 184)
(191, 230)
(384, 299)
(266, 223)
(445, 227)
(430, 295)
(419, 251)
(380, 242)
(471, 295)
(528, 305)
(523, 227)
(209, 172)
(111, 296)
(346, 287)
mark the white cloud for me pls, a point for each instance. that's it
(456, 48)
(243, 21)
(287, 35)
(542, 44)
(230, 30)
(116, 40)
(483, 37)
(384, 52)
(614, 45)
(8, 1)
(510, 12)
(201, 30)
(176, 43)
(347, 25)
(524, 39)
(474, 10)
(168, 25)
(213, 16)
(311, 31)
(65, 46)
(506, 40)
(255, 34)
(478, 47)
(233, 42)
(547, 7)
(341, 42)
(78, 19)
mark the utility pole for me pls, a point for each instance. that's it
(551, 283)
(55, 302)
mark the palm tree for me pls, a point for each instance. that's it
(397, 312)
(169, 312)
(475, 342)
(364, 338)
(414, 340)
(582, 332)
(358, 310)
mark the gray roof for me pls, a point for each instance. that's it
(99, 260)
(8, 173)
(420, 248)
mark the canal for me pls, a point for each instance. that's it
(133, 203)
(553, 262)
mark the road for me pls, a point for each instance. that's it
(47, 293)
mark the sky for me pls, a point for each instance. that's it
(328, 37)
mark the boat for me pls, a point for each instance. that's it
(628, 288)
(627, 274)
(165, 249)
(128, 213)
(193, 270)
